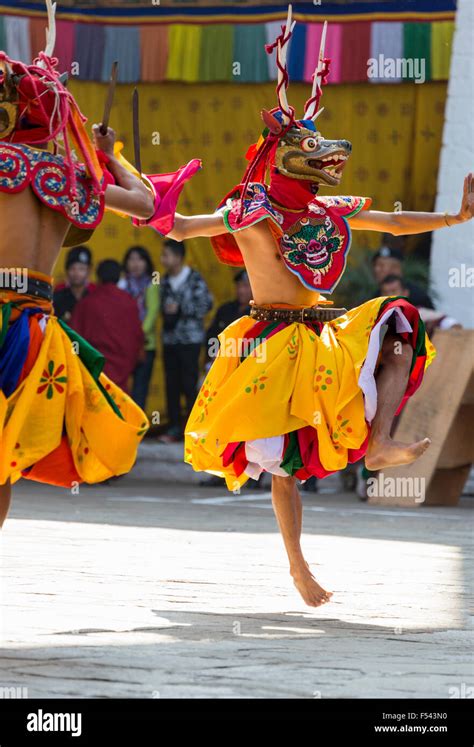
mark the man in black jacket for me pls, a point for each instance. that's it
(185, 300)
(229, 312)
(77, 285)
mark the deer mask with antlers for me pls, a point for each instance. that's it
(295, 149)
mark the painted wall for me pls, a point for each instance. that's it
(452, 260)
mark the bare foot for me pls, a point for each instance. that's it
(313, 594)
(390, 453)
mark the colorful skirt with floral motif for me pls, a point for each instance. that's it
(297, 398)
(62, 421)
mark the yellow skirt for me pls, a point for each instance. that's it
(62, 420)
(297, 398)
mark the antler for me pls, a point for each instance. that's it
(311, 108)
(282, 49)
(50, 31)
(281, 43)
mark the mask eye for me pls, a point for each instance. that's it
(309, 144)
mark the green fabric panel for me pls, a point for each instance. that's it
(91, 358)
(420, 346)
(263, 335)
(249, 52)
(93, 361)
(217, 43)
(6, 312)
(269, 329)
(417, 45)
(292, 461)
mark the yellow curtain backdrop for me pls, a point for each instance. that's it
(395, 130)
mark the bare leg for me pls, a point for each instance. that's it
(288, 511)
(392, 378)
(5, 497)
(299, 513)
(298, 509)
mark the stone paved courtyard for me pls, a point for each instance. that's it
(145, 590)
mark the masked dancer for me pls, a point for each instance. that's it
(300, 388)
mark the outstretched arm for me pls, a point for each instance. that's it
(407, 222)
(191, 226)
(129, 195)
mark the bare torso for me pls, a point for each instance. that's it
(32, 234)
(270, 279)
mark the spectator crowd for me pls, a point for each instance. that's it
(118, 315)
